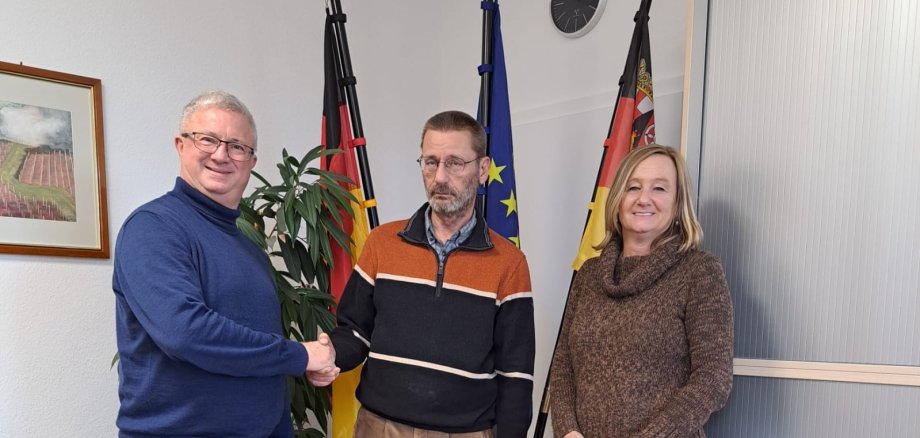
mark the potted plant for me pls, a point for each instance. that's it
(304, 214)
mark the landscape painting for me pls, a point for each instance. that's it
(52, 164)
(36, 163)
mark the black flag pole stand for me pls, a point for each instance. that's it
(351, 95)
(543, 414)
(485, 86)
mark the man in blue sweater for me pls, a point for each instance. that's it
(198, 322)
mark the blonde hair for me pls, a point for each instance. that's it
(687, 228)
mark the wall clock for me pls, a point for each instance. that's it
(574, 18)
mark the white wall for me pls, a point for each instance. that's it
(411, 58)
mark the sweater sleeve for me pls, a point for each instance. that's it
(709, 326)
(514, 353)
(155, 273)
(356, 311)
(562, 375)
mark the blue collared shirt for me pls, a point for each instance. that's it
(442, 249)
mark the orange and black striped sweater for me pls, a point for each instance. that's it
(449, 346)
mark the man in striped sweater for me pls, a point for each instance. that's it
(440, 307)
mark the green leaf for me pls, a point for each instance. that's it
(291, 160)
(315, 198)
(273, 192)
(293, 220)
(249, 231)
(324, 319)
(285, 319)
(285, 173)
(260, 178)
(333, 213)
(322, 280)
(313, 433)
(318, 152)
(310, 209)
(299, 406)
(280, 222)
(325, 174)
(307, 321)
(317, 295)
(325, 250)
(291, 257)
(306, 265)
(337, 203)
(288, 292)
(303, 210)
(336, 233)
(337, 190)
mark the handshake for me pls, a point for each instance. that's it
(321, 369)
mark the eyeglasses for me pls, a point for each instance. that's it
(209, 144)
(453, 165)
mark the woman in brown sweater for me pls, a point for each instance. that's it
(646, 344)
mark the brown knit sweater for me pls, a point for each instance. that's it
(645, 348)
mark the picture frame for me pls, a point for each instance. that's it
(52, 164)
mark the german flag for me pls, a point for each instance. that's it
(337, 134)
(633, 126)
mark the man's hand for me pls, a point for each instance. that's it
(322, 378)
(320, 354)
(321, 369)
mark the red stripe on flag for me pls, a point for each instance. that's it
(343, 163)
(619, 140)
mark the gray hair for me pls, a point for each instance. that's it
(222, 100)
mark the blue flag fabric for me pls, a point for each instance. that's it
(501, 198)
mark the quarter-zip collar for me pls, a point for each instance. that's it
(442, 249)
(415, 232)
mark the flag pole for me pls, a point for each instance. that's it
(543, 414)
(354, 111)
(485, 86)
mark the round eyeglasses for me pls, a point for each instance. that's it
(453, 165)
(208, 144)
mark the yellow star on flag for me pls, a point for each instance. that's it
(511, 203)
(516, 240)
(495, 173)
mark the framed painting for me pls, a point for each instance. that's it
(52, 168)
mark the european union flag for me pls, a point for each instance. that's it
(501, 202)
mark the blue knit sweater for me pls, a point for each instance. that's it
(198, 325)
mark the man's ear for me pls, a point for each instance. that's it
(485, 163)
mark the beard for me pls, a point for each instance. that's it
(460, 199)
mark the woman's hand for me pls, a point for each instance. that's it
(574, 434)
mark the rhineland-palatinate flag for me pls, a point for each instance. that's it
(501, 200)
(633, 125)
(337, 133)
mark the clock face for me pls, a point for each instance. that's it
(574, 18)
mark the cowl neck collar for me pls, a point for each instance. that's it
(627, 276)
